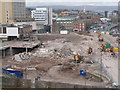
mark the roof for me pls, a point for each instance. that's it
(59, 19)
(65, 18)
(80, 21)
(72, 21)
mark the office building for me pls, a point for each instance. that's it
(10, 32)
(42, 15)
(11, 10)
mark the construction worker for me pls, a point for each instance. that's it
(90, 50)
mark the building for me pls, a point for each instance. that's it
(6, 15)
(28, 21)
(115, 12)
(42, 15)
(11, 10)
(79, 26)
(64, 13)
(10, 32)
(68, 24)
(106, 14)
(19, 9)
(105, 20)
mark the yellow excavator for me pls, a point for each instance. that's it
(90, 50)
(77, 58)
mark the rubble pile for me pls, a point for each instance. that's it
(62, 53)
(22, 56)
(55, 53)
(68, 66)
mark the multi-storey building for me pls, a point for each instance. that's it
(69, 25)
(11, 10)
(79, 26)
(9, 32)
(42, 15)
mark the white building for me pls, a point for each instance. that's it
(105, 19)
(42, 16)
(6, 32)
(10, 32)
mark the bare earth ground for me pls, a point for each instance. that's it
(55, 62)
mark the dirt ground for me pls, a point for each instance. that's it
(54, 61)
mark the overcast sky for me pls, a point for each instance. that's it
(72, 2)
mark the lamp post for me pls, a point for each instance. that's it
(101, 64)
(26, 50)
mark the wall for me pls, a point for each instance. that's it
(48, 84)
(15, 83)
(12, 31)
(33, 23)
(22, 83)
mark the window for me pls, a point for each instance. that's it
(4, 30)
(0, 30)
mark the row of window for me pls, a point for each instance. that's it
(71, 22)
(40, 11)
(3, 30)
(39, 15)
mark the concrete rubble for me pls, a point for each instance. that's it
(22, 56)
(58, 54)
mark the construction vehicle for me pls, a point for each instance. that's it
(90, 50)
(77, 58)
(111, 49)
(103, 48)
(101, 39)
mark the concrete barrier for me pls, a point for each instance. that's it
(15, 82)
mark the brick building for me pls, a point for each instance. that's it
(70, 25)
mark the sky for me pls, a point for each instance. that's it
(72, 2)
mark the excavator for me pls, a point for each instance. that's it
(77, 58)
(90, 50)
(101, 39)
(104, 49)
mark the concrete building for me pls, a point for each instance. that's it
(10, 32)
(28, 21)
(10, 10)
(6, 12)
(19, 9)
(42, 15)
(106, 14)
